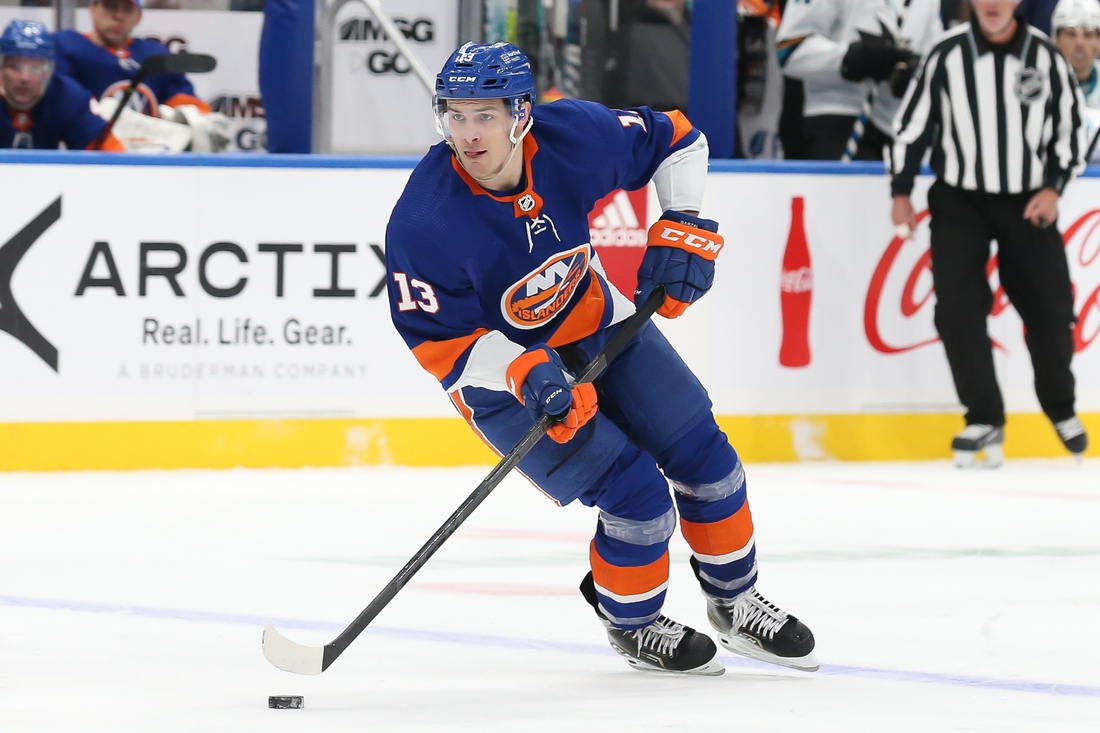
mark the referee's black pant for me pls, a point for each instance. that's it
(1035, 276)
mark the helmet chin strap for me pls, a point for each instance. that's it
(515, 146)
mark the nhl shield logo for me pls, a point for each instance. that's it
(526, 202)
(1030, 83)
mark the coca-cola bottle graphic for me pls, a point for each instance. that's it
(796, 290)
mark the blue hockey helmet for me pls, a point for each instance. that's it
(485, 71)
(27, 39)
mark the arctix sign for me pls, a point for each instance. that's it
(222, 291)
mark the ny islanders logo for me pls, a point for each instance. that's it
(544, 292)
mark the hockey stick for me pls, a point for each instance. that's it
(162, 63)
(300, 659)
(1092, 146)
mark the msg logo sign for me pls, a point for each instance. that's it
(387, 60)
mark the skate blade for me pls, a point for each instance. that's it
(747, 648)
(713, 668)
(992, 456)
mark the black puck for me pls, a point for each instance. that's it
(286, 702)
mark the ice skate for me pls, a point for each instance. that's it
(663, 646)
(753, 627)
(979, 446)
(1073, 436)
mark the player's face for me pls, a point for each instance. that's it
(994, 16)
(24, 80)
(1079, 46)
(114, 20)
(479, 130)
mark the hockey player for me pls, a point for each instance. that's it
(848, 54)
(1076, 27)
(43, 109)
(498, 292)
(104, 61)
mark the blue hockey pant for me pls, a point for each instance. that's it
(654, 421)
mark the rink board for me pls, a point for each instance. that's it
(145, 322)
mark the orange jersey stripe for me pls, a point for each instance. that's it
(181, 99)
(584, 319)
(111, 143)
(439, 357)
(680, 126)
(719, 538)
(530, 147)
(626, 581)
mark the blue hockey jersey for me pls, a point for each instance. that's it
(106, 72)
(62, 114)
(477, 276)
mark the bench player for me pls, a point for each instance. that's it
(498, 292)
(106, 59)
(43, 109)
(1075, 26)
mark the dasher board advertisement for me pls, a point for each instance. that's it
(818, 308)
(239, 289)
(220, 293)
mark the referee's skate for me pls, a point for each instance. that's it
(979, 446)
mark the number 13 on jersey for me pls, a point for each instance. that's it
(426, 301)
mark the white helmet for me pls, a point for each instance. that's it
(1075, 14)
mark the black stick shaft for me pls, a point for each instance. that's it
(102, 138)
(611, 349)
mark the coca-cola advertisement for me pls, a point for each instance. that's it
(796, 288)
(819, 308)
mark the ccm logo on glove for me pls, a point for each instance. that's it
(686, 237)
(680, 255)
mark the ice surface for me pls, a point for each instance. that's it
(941, 600)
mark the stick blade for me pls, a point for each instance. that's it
(178, 63)
(291, 656)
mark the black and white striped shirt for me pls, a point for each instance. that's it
(1000, 119)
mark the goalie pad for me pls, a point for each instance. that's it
(209, 131)
(144, 134)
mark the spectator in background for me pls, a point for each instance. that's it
(43, 110)
(654, 57)
(106, 59)
(1037, 13)
(845, 53)
(1076, 25)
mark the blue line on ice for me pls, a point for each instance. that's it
(509, 642)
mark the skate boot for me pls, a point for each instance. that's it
(979, 446)
(1073, 436)
(663, 646)
(753, 627)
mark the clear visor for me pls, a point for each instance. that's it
(25, 79)
(473, 119)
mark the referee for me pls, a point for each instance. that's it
(1003, 114)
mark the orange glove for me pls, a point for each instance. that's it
(584, 409)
